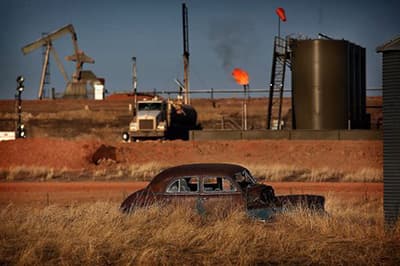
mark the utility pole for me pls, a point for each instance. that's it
(134, 84)
(246, 96)
(185, 25)
(134, 76)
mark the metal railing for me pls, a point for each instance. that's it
(217, 93)
(213, 93)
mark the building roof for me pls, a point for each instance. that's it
(392, 45)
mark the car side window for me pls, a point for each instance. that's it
(218, 184)
(184, 185)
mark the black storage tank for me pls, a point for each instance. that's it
(328, 85)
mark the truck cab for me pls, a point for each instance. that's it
(149, 121)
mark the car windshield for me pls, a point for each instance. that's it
(149, 106)
(244, 177)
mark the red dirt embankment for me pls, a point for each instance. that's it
(77, 155)
(53, 153)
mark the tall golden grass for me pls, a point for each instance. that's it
(36, 173)
(283, 172)
(111, 170)
(132, 172)
(98, 234)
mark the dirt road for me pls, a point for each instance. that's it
(67, 193)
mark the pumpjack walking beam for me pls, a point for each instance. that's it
(280, 59)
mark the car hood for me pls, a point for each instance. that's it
(259, 195)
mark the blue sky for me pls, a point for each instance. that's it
(223, 35)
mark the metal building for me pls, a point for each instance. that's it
(328, 84)
(391, 128)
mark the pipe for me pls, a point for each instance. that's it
(134, 76)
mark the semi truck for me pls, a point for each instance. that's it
(161, 119)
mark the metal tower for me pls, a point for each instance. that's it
(280, 58)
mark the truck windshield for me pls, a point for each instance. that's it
(149, 106)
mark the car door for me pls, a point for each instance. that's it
(220, 194)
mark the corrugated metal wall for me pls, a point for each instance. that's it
(391, 134)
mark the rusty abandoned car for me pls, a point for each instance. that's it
(207, 186)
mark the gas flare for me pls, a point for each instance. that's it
(240, 76)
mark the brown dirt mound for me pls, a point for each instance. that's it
(104, 153)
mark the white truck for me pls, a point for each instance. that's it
(160, 119)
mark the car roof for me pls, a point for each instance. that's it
(198, 169)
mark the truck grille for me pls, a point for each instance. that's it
(146, 124)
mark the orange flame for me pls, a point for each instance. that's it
(240, 76)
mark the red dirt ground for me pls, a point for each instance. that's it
(41, 194)
(76, 155)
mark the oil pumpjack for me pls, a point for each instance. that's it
(76, 86)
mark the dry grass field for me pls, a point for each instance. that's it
(98, 234)
(73, 225)
(146, 171)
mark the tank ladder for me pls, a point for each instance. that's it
(280, 59)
